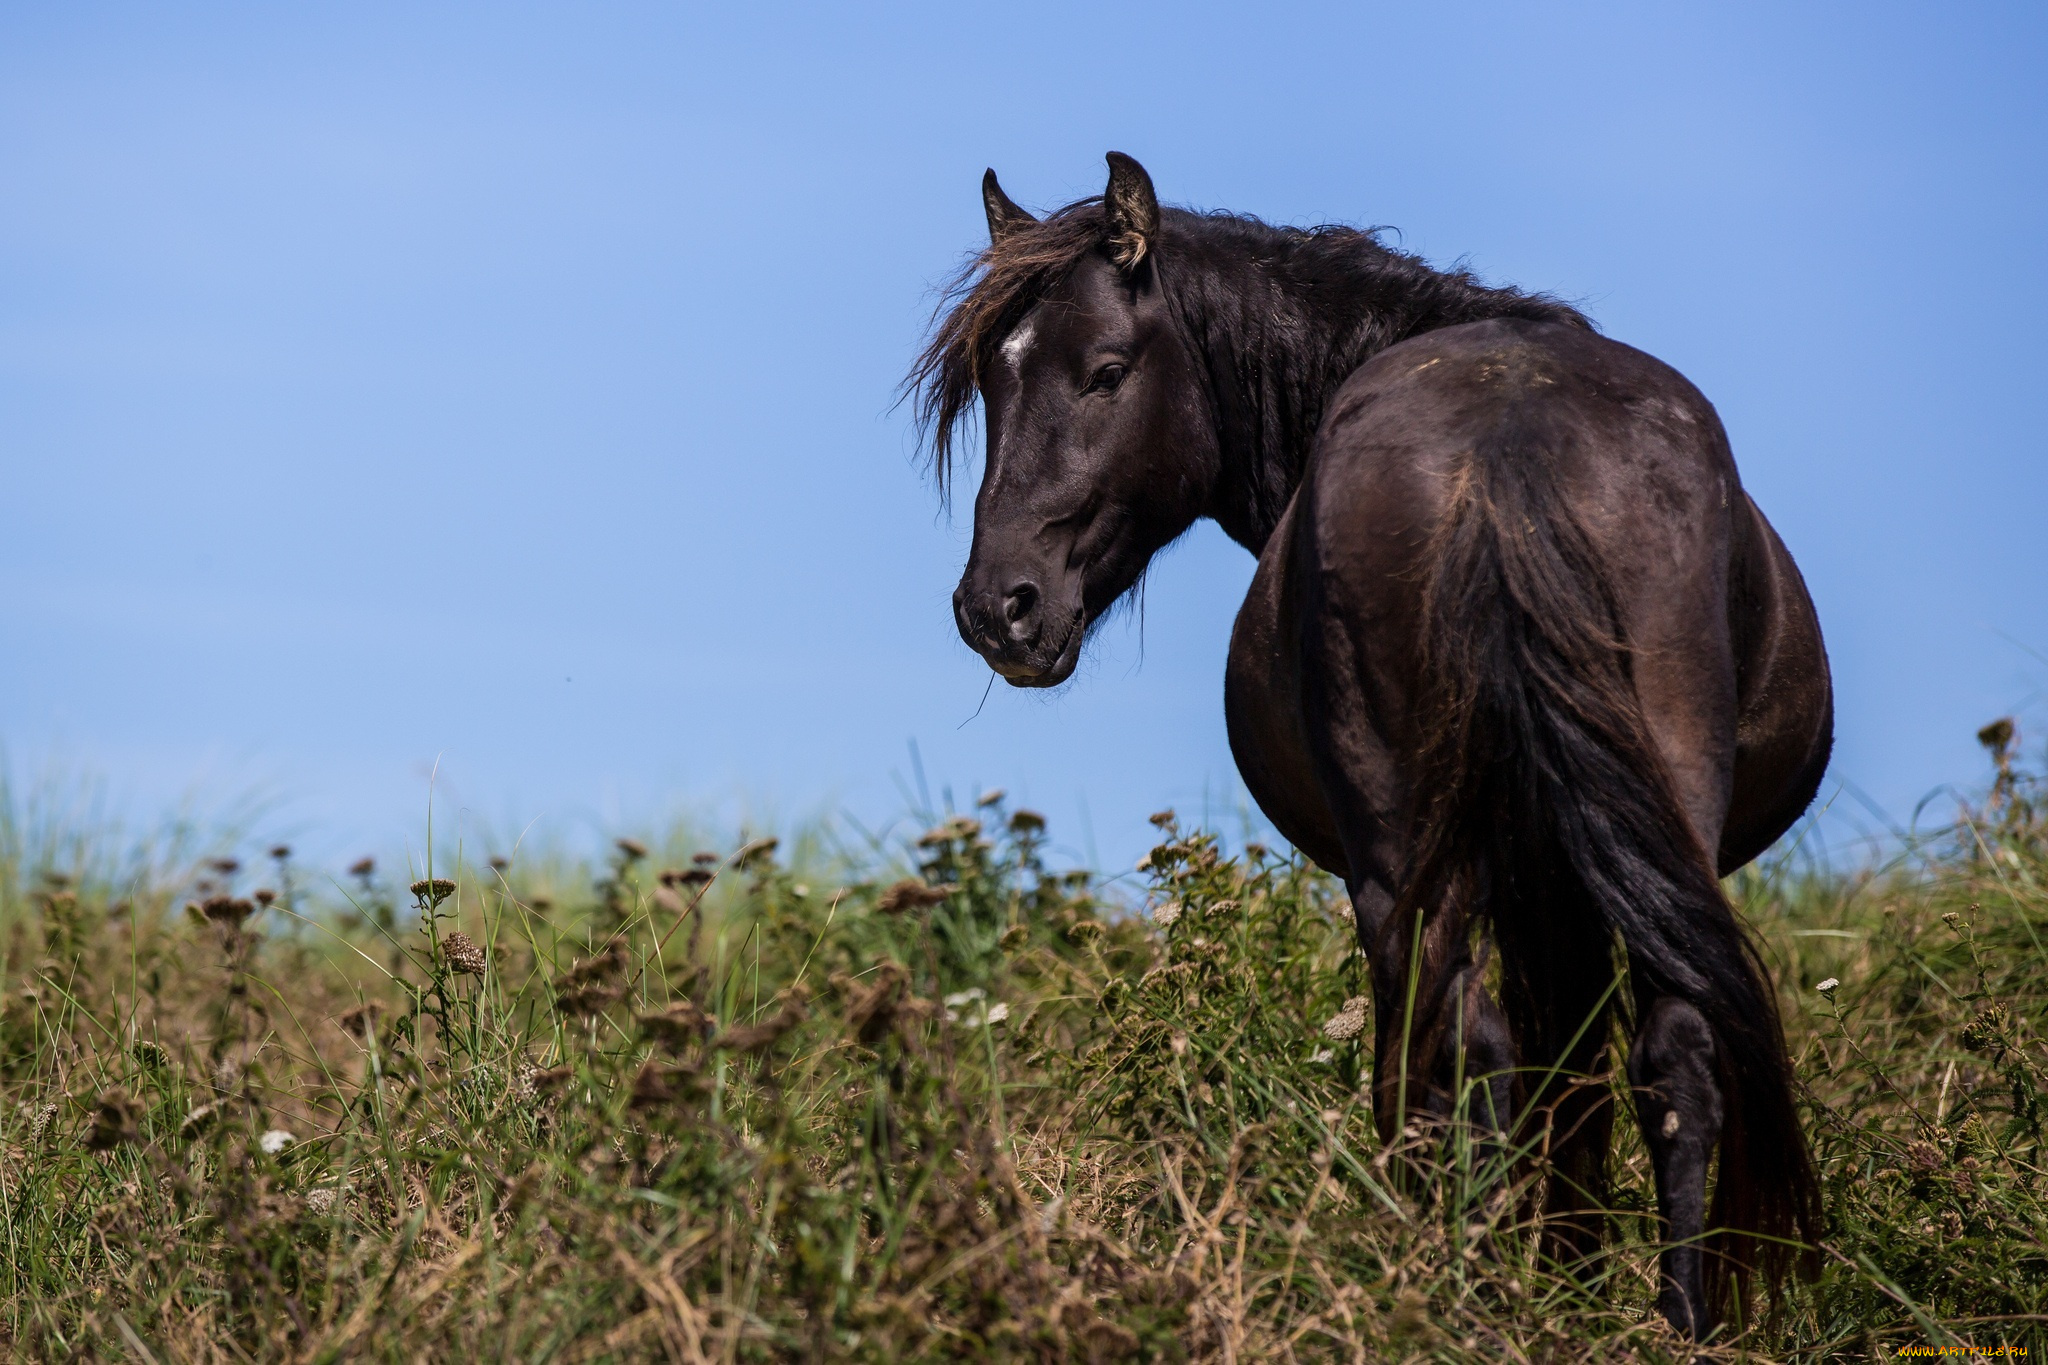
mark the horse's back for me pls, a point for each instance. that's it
(1722, 639)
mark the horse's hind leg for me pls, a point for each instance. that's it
(1437, 1026)
(1581, 1121)
(1679, 1103)
(1481, 1034)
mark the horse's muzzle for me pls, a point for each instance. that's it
(1013, 631)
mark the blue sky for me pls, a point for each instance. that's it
(510, 387)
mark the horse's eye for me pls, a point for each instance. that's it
(1107, 379)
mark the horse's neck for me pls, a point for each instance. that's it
(1274, 368)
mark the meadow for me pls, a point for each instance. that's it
(925, 1098)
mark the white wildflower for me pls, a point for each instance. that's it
(1145, 863)
(1166, 914)
(1348, 1022)
(1322, 1054)
(959, 998)
(998, 1012)
(323, 1199)
(276, 1140)
(1828, 985)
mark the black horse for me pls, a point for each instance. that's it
(1521, 657)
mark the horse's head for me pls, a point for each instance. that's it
(1098, 452)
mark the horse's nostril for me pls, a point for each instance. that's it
(1018, 602)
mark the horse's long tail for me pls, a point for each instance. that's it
(1544, 806)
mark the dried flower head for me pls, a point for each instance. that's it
(323, 1199)
(546, 1081)
(1162, 818)
(1256, 852)
(280, 851)
(499, 862)
(1014, 937)
(661, 1083)
(39, 1125)
(431, 891)
(631, 849)
(1997, 736)
(264, 896)
(1026, 822)
(1990, 1031)
(754, 1037)
(593, 984)
(912, 894)
(149, 1054)
(681, 1023)
(758, 852)
(1347, 1022)
(883, 1004)
(226, 867)
(113, 1121)
(705, 858)
(361, 1020)
(227, 910)
(463, 954)
(990, 798)
(666, 898)
(363, 868)
(201, 1117)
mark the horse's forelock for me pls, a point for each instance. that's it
(979, 306)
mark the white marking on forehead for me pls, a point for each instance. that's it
(1019, 342)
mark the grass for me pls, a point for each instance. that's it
(932, 1102)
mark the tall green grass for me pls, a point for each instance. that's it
(933, 1099)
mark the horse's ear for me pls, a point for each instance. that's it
(1004, 217)
(1132, 209)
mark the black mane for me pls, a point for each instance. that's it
(1276, 317)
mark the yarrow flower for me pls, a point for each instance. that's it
(1166, 914)
(1348, 1022)
(1827, 987)
(431, 891)
(464, 954)
(275, 1141)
